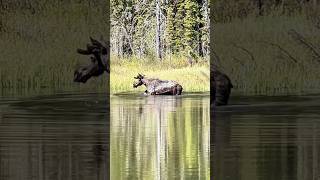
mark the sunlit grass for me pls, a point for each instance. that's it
(192, 79)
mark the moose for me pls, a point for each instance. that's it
(99, 63)
(157, 86)
(221, 87)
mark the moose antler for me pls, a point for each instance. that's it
(95, 42)
(94, 47)
(139, 76)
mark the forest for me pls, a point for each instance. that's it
(160, 39)
(160, 28)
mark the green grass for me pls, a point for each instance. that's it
(192, 79)
(263, 58)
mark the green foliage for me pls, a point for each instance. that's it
(184, 22)
(191, 24)
(171, 28)
(134, 27)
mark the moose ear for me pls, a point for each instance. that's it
(137, 77)
(95, 42)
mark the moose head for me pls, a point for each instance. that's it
(139, 81)
(98, 64)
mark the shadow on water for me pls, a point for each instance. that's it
(267, 138)
(160, 137)
(54, 137)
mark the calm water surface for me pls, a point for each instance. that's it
(267, 138)
(66, 137)
(54, 137)
(159, 137)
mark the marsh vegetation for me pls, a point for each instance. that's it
(268, 47)
(38, 42)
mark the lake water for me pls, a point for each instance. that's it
(66, 136)
(267, 138)
(60, 137)
(160, 137)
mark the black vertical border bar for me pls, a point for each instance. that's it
(212, 92)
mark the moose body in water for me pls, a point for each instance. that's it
(99, 63)
(157, 86)
(221, 87)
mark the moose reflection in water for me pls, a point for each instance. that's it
(157, 86)
(160, 137)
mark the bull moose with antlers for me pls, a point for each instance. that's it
(99, 56)
(99, 61)
(157, 86)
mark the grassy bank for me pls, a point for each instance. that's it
(193, 79)
(271, 55)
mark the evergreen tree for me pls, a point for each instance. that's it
(191, 22)
(173, 27)
(179, 26)
(170, 27)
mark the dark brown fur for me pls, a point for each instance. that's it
(157, 86)
(99, 61)
(221, 87)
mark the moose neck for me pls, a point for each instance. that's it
(145, 81)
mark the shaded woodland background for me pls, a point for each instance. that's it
(267, 47)
(38, 42)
